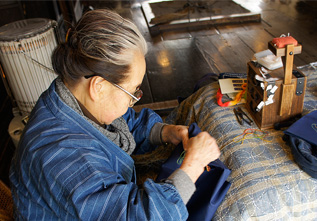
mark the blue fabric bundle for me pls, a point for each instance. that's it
(302, 138)
(211, 186)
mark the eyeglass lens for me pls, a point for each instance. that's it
(138, 94)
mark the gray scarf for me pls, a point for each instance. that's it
(118, 131)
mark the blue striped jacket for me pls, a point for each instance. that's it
(65, 169)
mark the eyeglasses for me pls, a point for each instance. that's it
(135, 97)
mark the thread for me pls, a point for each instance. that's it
(181, 158)
(255, 133)
(236, 100)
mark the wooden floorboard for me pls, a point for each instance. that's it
(211, 54)
(178, 58)
(157, 105)
(226, 48)
(229, 52)
(174, 68)
(256, 39)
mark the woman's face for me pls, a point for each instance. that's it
(116, 102)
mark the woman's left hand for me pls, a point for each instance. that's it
(175, 134)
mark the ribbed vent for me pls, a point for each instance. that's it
(20, 59)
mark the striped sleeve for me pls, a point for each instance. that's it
(140, 125)
(82, 183)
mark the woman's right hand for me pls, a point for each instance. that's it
(200, 151)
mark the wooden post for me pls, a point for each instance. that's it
(288, 88)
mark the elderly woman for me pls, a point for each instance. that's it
(73, 161)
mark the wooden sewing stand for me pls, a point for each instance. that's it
(288, 99)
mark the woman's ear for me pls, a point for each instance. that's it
(96, 87)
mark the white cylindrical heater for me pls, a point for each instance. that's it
(26, 48)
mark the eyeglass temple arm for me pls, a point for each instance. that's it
(134, 97)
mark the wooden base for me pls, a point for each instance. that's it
(157, 106)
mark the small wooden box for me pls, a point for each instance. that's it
(268, 115)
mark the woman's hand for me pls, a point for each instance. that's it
(174, 134)
(200, 151)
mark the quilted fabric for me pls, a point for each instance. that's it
(266, 182)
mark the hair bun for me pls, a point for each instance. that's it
(58, 56)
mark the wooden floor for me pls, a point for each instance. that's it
(178, 59)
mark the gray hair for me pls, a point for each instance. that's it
(102, 43)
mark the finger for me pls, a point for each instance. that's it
(185, 142)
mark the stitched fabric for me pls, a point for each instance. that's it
(211, 187)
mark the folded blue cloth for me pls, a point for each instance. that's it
(302, 138)
(305, 128)
(304, 154)
(211, 186)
